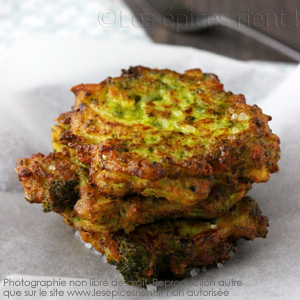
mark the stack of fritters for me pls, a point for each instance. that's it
(152, 168)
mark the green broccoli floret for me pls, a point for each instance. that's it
(135, 262)
(61, 195)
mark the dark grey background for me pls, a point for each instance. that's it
(279, 19)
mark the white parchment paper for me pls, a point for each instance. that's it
(35, 78)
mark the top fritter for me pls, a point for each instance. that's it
(151, 131)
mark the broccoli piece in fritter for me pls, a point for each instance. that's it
(51, 180)
(173, 245)
(61, 195)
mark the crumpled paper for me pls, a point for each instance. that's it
(36, 76)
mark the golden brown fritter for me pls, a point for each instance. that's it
(117, 184)
(131, 211)
(152, 129)
(60, 185)
(190, 188)
(152, 168)
(52, 180)
(169, 247)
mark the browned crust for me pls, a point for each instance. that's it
(259, 142)
(40, 174)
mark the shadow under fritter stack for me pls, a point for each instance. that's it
(152, 168)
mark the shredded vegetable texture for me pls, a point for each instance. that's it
(152, 169)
